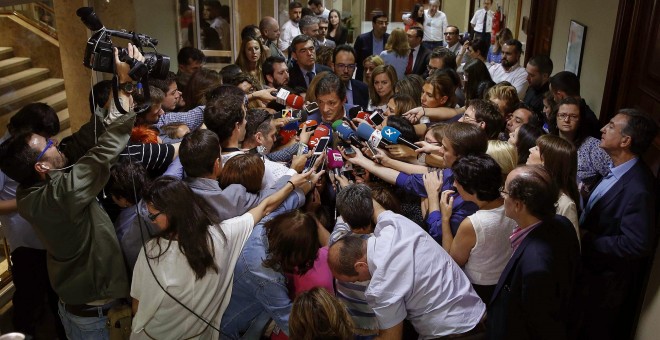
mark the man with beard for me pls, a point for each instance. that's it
(290, 28)
(275, 72)
(509, 69)
(539, 69)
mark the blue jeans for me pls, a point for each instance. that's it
(79, 328)
(432, 44)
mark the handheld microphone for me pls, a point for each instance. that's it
(320, 132)
(310, 124)
(284, 97)
(346, 133)
(365, 116)
(394, 136)
(335, 161)
(371, 135)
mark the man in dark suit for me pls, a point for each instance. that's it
(343, 62)
(371, 43)
(420, 53)
(532, 299)
(617, 227)
(304, 68)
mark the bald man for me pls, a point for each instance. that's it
(270, 34)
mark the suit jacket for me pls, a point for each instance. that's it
(422, 60)
(364, 47)
(532, 299)
(360, 93)
(297, 78)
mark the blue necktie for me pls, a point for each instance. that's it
(310, 76)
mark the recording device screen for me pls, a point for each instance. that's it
(321, 146)
(311, 107)
(377, 118)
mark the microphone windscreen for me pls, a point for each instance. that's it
(344, 132)
(365, 116)
(295, 101)
(364, 131)
(321, 131)
(337, 123)
(310, 123)
(335, 160)
(391, 134)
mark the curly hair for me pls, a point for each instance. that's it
(292, 242)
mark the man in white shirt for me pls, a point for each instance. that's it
(411, 276)
(435, 24)
(290, 28)
(319, 10)
(509, 69)
(482, 21)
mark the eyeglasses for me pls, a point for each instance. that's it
(153, 217)
(450, 33)
(346, 66)
(571, 117)
(48, 145)
(503, 192)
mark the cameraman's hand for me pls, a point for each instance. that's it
(122, 67)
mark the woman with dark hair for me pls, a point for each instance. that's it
(417, 16)
(336, 30)
(559, 157)
(440, 91)
(246, 170)
(476, 50)
(477, 80)
(250, 58)
(524, 138)
(195, 253)
(549, 105)
(593, 161)
(410, 85)
(200, 82)
(481, 244)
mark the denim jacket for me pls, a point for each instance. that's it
(258, 293)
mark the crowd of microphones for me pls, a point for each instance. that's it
(368, 133)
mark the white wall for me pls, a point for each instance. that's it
(599, 16)
(158, 19)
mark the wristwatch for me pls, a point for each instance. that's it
(127, 87)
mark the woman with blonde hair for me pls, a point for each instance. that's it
(317, 315)
(396, 51)
(504, 154)
(370, 63)
(251, 57)
(381, 87)
(559, 157)
(505, 97)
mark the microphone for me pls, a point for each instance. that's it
(371, 135)
(310, 124)
(321, 131)
(335, 161)
(346, 133)
(284, 97)
(366, 117)
(393, 136)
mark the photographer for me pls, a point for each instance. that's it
(85, 265)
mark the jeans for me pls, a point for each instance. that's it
(432, 44)
(79, 328)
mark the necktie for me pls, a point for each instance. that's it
(483, 29)
(410, 61)
(310, 76)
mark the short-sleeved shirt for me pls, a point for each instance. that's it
(434, 26)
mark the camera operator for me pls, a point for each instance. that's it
(84, 261)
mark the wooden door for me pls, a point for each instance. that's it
(539, 29)
(374, 6)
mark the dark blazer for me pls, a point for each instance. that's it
(616, 247)
(422, 60)
(532, 299)
(360, 93)
(297, 78)
(364, 47)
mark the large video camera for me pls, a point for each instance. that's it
(99, 55)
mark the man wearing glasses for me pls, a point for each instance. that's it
(452, 39)
(357, 92)
(85, 264)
